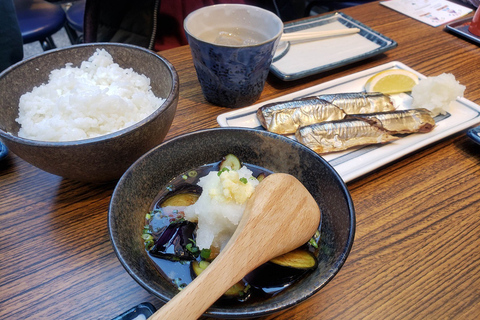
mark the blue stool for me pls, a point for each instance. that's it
(38, 20)
(74, 26)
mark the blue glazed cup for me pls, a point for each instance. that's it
(232, 47)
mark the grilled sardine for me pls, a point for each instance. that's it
(360, 102)
(340, 135)
(287, 116)
(401, 121)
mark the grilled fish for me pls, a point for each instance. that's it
(360, 102)
(341, 135)
(401, 121)
(287, 116)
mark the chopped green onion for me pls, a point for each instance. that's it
(203, 264)
(147, 237)
(245, 291)
(205, 253)
(184, 177)
(178, 282)
(313, 243)
(191, 247)
(148, 245)
(192, 173)
(222, 171)
(244, 180)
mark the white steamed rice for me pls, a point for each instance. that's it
(95, 99)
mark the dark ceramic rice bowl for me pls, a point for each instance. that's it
(98, 159)
(140, 184)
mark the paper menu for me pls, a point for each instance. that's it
(431, 12)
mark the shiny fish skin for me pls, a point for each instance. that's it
(360, 102)
(401, 121)
(287, 116)
(341, 135)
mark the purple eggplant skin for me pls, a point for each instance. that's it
(172, 243)
(271, 275)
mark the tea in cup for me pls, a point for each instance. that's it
(232, 47)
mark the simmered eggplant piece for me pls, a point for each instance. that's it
(174, 243)
(238, 291)
(181, 199)
(283, 270)
(179, 195)
(231, 161)
(298, 259)
(198, 267)
(261, 176)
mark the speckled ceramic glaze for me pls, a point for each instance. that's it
(98, 159)
(137, 189)
(232, 76)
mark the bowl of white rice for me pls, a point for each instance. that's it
(87, 112)
(154, 173)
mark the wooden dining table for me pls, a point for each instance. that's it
(416, 252)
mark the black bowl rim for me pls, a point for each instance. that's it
(217, 312)
(171, 97)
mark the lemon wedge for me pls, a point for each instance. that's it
(392, 81)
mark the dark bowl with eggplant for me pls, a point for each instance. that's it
(157, 245)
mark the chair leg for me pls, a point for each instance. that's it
(48, 43)
(72, 34)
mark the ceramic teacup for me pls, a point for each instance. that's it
(232, 47)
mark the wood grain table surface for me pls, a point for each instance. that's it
(416, 253)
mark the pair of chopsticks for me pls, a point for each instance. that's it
(313, 35)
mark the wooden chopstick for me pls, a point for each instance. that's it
(312, 35)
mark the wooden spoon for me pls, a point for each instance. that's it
(280, 216)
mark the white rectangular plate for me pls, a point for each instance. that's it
(311, 57)
(354, 163)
